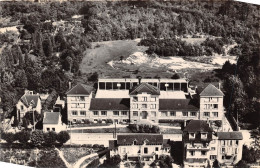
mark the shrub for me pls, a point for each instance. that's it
(50, 137)
(99, 121)
(155, 129)
(96, 146)
(63, 137)
(86, 121)
(23, 136)
(9, 137)
(37, 137)
(109, 121)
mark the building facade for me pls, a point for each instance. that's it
(145, 147)
(143, 101)
(52, 122)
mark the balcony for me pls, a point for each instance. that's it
(197, 147)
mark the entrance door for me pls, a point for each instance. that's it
(144, 114)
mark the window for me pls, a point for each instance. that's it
(213, 157)
(203, 135)
(82, 112)
(144, 99)
(22, 107)
(223, 150)
(223, 157)
(104, 113)
(237, 142)
(74, 113)
(236, 151)
(153, 99)
(215, 114)
(135, 106)
(193, 114)
(172, 113)
(192, 135)
(212, 148)
(230, 142)
(206, 114)
(153, 106)
(74, 120)
(48, 129)
(95, 120)
(116, 113)
(95, 112)
(53, 129)
(203, 153)
(192, 153)
(185, 113)
(145, 150)
(82, 98)
(135, 99)
(144, 105)
(135, 113)
(156, 149)
(215, 106)
(81, 105)
(123, 112)
(164, 113)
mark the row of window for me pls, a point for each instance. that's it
(202, 135)
(144, 99)
(77, 98)
(211, 99)
(104, 113)
(229, 142)
(210, 106)
(143, 106)
(229, 150)
(203, 153)
(75, 113)
(173, 113)
(77, 105)
(207, 114)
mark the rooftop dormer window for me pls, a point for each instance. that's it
(191, 135)
(203, 135)
(134, 142)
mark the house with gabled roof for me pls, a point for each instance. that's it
(142, 147)
(52, 122)
(78, 102)
(28, 102)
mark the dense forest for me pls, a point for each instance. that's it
(45, 57)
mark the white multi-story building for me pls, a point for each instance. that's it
(211, 103)
(139, 146)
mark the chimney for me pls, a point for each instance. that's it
(219, 84)
(139, 79)
(69, 85)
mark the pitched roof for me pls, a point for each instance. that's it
(145, 87)
(177, 104)
(211, 90)
(51, 118)
(140, 138)
(230, 135)
(109, 104)
(198, 126)
(28, 100)
(79, 89)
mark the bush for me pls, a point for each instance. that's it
(63, 137)
(37, 138)
(109, 121)
(96, 146)
(143, 128)
(23, 136)
(50, 138)
(86, 121)
(9, 137)
(99, 121)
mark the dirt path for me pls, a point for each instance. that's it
(81, 160)
(63, 159)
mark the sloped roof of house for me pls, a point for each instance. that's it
(51, 118)
(140, 138)
(211, 90)
(177, 104)
(79, 89)
(28, 100)
(198, 126)
(145, 87)
(235, 135)
(109, 104)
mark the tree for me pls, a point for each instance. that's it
(255, 134)
(37, 137)
(175, 76)
(21, 79)
(23, 136)
(69, 62)
(63, 137)
(47, 47)
(216, 164)
(50, 138)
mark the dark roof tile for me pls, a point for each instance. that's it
(177, 104)
(211, 90)
(140, 138)
(51, 118)
(145, 87)
(110, 104)
(197, 126)
(79, 89)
